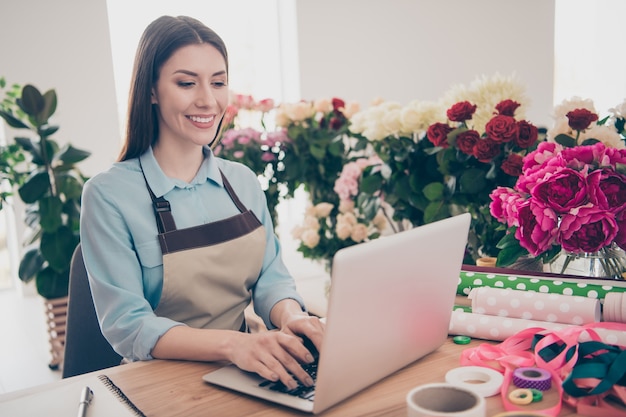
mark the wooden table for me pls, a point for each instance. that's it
(175, 388)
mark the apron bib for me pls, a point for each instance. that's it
(209, 270)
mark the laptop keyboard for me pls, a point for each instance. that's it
(302, 391)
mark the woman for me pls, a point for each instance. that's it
(178, 242)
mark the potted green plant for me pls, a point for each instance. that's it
(49, 184)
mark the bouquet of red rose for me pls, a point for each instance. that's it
(567, 198)
(473, 164)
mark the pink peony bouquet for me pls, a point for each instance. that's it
(567, 198)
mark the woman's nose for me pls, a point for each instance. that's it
(206, 97)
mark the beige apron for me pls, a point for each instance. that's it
(209, 270)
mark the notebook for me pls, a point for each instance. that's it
(390, 304)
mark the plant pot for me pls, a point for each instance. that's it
(56, 318)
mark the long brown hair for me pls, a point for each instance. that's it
(159, 41)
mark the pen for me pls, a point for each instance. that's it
(85, 399)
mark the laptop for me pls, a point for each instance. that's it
(390, 304)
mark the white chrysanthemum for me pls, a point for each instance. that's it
(416, 116)
(376, 123)
(351, 108)
(560, 127)
(573, 103)
(486, 92)
(605, 134)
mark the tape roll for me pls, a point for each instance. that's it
(520, 414)
(444, 400)
(531, 377)
(484, 381)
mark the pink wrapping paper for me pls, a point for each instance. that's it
(532, 305)
(498, 328)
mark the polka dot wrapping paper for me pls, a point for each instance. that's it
(533, 305)
(592, 288)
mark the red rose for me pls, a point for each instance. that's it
(502, 129)
(528, 134)
(465, 141)
(507, 107)
(438, 134)
(461, 111)
(580, 119)
(338, 104)
(336, 122)
(486, 149)
(513, 165)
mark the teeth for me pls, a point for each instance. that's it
(201, 119)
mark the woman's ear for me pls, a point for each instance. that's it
(153, 99)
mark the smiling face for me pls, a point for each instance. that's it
(191, 96)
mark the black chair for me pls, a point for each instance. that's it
(86, 349)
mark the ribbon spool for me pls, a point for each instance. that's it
(486, 382)
(531, 377)
(520, 414)
(444, 400)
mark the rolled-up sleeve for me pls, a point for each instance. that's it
(115, 273)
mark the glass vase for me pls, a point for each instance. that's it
(609, 262)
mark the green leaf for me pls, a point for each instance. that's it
(35, 187)
(57, 248)
(50, 106)
(52, 284)
(509, 255)
(30, 264)
(371, 184)
(13, 121)
(336, 147)
(436, 211)
(565, 140)
(50, 211)
(589, 141)
(31, 102)
(69, 186)
(434, 191)
(317, 151)
(71, 155)
(472, 181)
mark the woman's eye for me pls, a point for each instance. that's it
(185, 83)
(220, 84)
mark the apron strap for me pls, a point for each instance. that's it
(162, 210)
(232, 194)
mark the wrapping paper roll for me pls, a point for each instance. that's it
(517, 280)
(444, 400)
(532, 305)
(496, 328)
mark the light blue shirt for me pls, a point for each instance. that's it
(122, 254)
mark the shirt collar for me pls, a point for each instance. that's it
(161, 184)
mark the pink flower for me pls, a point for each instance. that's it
(504, 205)
(608, 190)
(268, 157)
(265, 105)
(537, 227)
(587, 229)
(561, 190)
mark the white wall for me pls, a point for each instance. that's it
(64, 45)
(403, 50)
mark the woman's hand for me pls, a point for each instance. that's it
(274, 355)
(277, 355)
